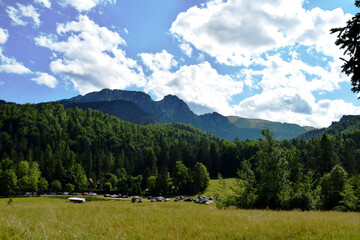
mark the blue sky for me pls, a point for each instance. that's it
(264, 59)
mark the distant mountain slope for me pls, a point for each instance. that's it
(138, 107)
(124, 110)
(347, 124)
(222, 127)
(280, 130)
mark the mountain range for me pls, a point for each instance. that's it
(140, 108)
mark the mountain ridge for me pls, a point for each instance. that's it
(171, 109)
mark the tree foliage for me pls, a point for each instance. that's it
(348, 39)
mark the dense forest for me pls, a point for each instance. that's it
(47, 147)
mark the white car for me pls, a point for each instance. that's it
(77, 200)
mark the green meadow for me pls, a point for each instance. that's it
(56, 218)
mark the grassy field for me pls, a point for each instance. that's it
(55, 218)
(215, 188)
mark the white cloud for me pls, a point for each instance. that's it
(46, 3)
(270, 39)
(84, 5)
(91, 57)
(45, 79)
(200, 84)
(10, 65)
(22, 14)
(292, 106)
(235, 31)
(3, 35)
(186, 48)
(163, 61)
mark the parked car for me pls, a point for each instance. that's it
(92, 194)
(107, 195)
(152, 200)
(77, 200)
(188, 200)
(140, 200)
(166, 199)
(124, 196)
(159, 199)
(85, 194)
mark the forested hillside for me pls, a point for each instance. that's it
(72, 145)
(347, 124)
(46, 146)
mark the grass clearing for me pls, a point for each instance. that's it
(216, 188)
(55, 218)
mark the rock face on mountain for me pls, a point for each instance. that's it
(138, 107)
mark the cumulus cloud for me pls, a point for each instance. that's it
(288, 105)
(91, 57)
(23, 14)
(186, 48)
(3, 35)
(84, 5)
(235, 31)
(163, 61)
(254, 35)
(200, 84)
(45, 79)
(10, 65)
(45, 3)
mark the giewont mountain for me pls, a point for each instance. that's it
(138, 107)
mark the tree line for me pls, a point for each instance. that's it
(72, 149)
(289, 176)
(77, 150)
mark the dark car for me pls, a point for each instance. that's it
(189, 200)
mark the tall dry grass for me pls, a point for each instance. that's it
(53, 218)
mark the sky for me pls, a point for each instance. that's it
(267, 59)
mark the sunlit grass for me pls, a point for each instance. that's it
(215, 187)
(53, 218)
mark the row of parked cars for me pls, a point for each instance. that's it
(199, 199)
(116, 196)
